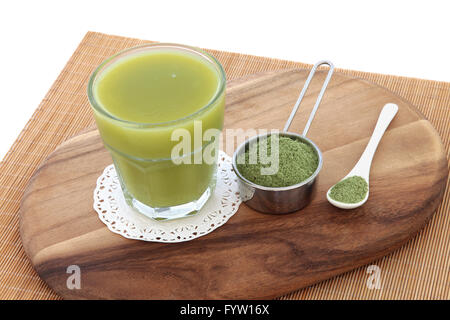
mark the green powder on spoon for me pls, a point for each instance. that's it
(350, 190)
(297, 162)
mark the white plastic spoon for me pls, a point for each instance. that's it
(362, 167)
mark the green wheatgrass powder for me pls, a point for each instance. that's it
(297, 162)
(350, 190)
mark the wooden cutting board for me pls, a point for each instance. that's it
(254, 255)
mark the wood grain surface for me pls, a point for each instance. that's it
(254, 255)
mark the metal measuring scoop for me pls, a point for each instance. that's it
(279, 200)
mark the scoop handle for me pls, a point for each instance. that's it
(362, 168)
(302, 94)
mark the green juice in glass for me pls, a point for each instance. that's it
(140, 97)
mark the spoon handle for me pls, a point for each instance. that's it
(362, 168)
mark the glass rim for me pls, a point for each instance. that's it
(203, 54)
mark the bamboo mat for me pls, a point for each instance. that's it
(419, 270)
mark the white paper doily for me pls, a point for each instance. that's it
(114, 212)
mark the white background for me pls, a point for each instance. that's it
(408, 38)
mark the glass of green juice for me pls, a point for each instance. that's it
(142, 99)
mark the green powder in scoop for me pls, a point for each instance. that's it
(350, 190)
(297, 161)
